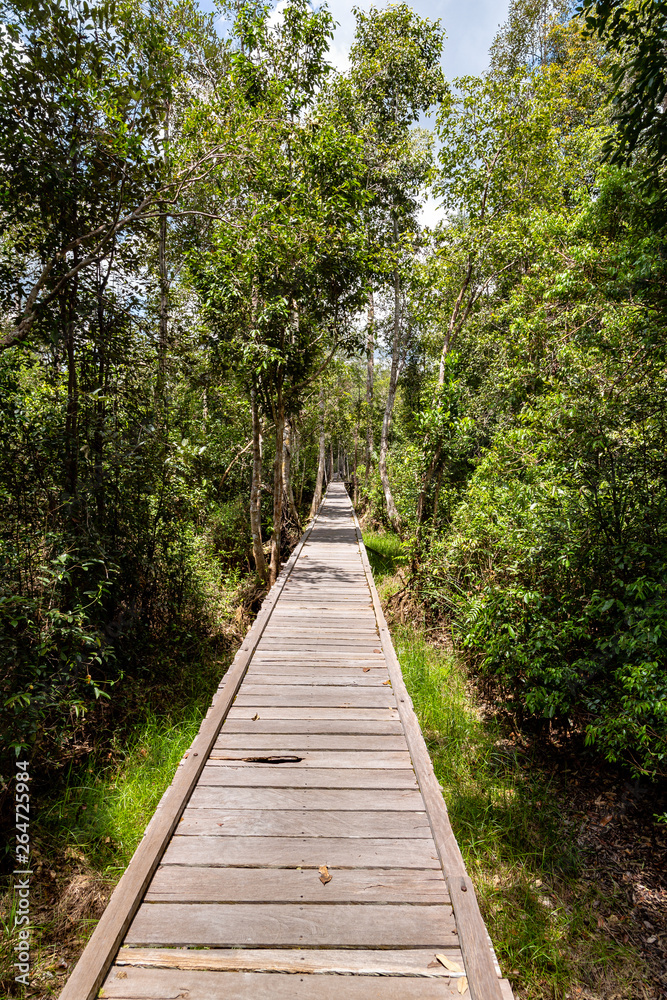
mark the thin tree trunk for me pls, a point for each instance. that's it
(164, 303)
(256, 491)
(288, 492)
(437, 496)
(426, 481)
(355, 478)
(370, 353)
(276, 537)
(392, 511)
(68, 315)
(321, 461)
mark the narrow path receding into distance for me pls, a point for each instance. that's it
(313, 757)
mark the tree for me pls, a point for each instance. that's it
(395, 76)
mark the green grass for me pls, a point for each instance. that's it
(102, 812)
(512, 826)
(386, 552)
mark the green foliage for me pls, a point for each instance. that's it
(509, 820)
(635, 31)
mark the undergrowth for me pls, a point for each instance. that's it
(87, 824)
(518, 844)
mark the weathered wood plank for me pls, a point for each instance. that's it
(347, 799)
(183, 884)
(314, 697)
(403, 962)
(171, 984)
(366, 759)
(292, 925)
(284, 776)
(317, 677)
(272, 742)
(218, 822)
(310, 852)
(315, 713)
(313, 726)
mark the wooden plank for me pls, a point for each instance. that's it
(314, 697)
(382, 799)
(274, 659)
(403, 962)
(311, 726)
(284, 776)
(183, 884)
(332, 925)
(315, 713)
(89, 972)
(321, 676)
(482, 976)
(219, 822)
(366, 759)
(304, 852)
(129, 983)
(272, 742)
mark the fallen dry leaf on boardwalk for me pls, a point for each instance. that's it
(448, 964)
(325, 875)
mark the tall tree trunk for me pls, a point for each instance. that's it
(370, 354)
(163, 275)
(355, 478)
(256, 491)
(164, 303)
(437, 496)
(321, 461)
(392, 511)
(68, 306)
(288, 492)
(276, 537)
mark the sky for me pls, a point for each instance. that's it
(470, 27)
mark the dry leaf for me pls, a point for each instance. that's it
(365, 669)
(377, 650)
(386, 682)
(600, 923)
(606, 820)
(462, 985)
(433, 965)
(325, 875)
(448, 964)
(255, 717)
(121, 975)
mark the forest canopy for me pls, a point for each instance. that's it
(217, 292)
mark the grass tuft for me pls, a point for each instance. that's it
(386, 552)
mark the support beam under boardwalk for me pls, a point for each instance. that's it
(303, 850)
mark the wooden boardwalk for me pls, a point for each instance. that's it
(310, 756)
